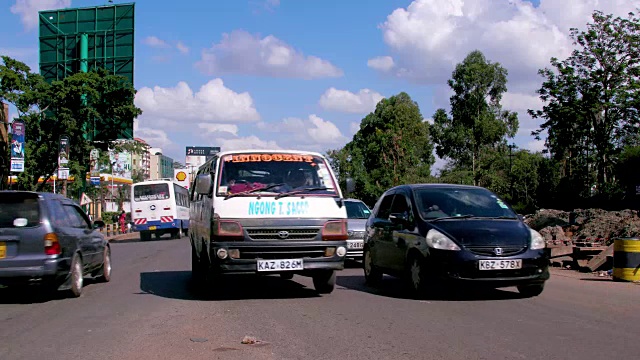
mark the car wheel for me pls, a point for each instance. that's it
(287, 276)
(325, 282)
(196, 267)
(76, 274)
(417, 275)
(530, 290)
(104, 274)
(372, 275)
(145, 235)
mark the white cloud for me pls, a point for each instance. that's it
(153, 137)
(213, 103)
(429, 37)
(154, 41)
(521, 102)
(313, 133)
(535, 145)
(382, 63)
(219, 128)
(243, 53)
(182, 47)
(354, 127)
(242, 143)
(28, 10)
(363, 102)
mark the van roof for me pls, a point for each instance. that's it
(276, 151)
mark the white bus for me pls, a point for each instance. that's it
(159, 207)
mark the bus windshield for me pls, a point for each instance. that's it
(148, 192)
(277, 173)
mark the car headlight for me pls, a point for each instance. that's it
(537, 241)
(437, 240)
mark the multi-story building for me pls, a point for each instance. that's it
(4, 144)
(161, 166)
(141, 163)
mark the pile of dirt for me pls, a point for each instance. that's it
(584, 225)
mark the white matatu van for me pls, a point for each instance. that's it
(159, 207)
(266, 212)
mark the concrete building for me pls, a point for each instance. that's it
(161, 166)
(141, 163)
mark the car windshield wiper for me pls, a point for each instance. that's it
(468, 216)
(229, 196)
(299, 191)
(498, 217)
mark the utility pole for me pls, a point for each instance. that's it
(511, 147)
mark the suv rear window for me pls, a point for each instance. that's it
(19, 205)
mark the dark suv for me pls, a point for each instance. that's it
(47, 238)
(432, 233)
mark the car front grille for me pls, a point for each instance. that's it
(267, 234)
(277, 252)
(491, 250)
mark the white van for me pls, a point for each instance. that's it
(268, 212)
(159, 207)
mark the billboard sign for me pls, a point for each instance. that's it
(119, 164)
(63, 152)
(18, 131)
(198, 155)
(94, 158)
(182, 177)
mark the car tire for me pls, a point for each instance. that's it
(530, 290)
(417, 276)
(286, 276)
(324, 282)
(372, 275)
(76, 275)
(196, 267)
(145, 235)
(104, 274)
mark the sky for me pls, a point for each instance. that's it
(302, 74)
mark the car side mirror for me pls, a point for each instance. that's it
(98, 224)
(204, 184)
(351, 185)
(521, 217)
(399, 219)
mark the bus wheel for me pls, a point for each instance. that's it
(145, 235)
(178, 233)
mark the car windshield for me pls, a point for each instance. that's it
(277, 173)
(357, 210)
(438, 202)
(19, 210)
(148, 192)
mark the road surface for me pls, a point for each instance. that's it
(147, 311)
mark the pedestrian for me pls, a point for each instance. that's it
(123, 217)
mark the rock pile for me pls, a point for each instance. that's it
(597, 225)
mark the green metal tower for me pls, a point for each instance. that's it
(84, 39)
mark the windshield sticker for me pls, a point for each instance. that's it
(280, 208)
(222, 189)
(268, 157)
(501, 204)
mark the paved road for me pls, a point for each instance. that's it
(148, 312)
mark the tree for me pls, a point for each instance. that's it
(67, 107)
(592, 98)
(392, 147)
(477, 119)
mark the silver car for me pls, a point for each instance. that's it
(358, 213)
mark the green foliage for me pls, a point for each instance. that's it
(69, 107)
(477, 121)
(391, 147)
(592, 101)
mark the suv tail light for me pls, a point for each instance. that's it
(52, 245)
(335, 230)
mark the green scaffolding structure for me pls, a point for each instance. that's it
(84, 39)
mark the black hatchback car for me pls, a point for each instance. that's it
(47, 239)
(464, 234)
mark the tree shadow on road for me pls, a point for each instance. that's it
(397, 288)
(178, 285)
(153, 239)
